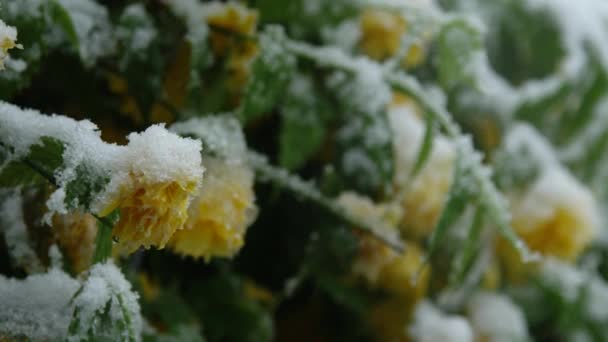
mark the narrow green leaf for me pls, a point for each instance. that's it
(427, 145)
(457, 201)
(304, 117)
(466, 257)
(103, 242)
(37, 167)
(60, 16)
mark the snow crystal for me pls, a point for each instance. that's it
(15, 232)
(431, 325)
(495, 317)
(38, 306)
(106, 284)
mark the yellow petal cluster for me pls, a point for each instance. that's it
(75, 233)
(220, 214)
(8, 38)
(236, 22)
(402, 276)
(150, 213)
(381, 36)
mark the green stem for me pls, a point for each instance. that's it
(103, 242)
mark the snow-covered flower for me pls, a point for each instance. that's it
(151, 198)
(424, 195)
(220, 214)
(555, 215)
(432, 325)
(496, 318)
(75, 233)
(381, 36)
(8, 39)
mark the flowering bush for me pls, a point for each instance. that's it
(304, 170)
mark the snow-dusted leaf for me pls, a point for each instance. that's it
(35, 168)
(458, 44)
(270, 72)
(304, 117)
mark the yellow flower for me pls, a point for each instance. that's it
(75, 233)
(557, 216)
(381, 36)
(401, 276)
(8, 37)
(424, 196)
(400, 279)
(220, 215)
(150, 213)
(237, 19)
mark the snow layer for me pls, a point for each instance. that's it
(431, 325)
(38, 306)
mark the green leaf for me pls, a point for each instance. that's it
(226, 312)
(270, 72)
(38, 167)
(103, 240)
(458, 198)
(366, 153)
(427, 145)
(458, 42)
(81, 191)
(462, 263)
(62, 18)
(303, 123)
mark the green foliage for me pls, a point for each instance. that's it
(270, 72)
(37, 168)
(226, 311)
(304, 120)
(458, 44)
